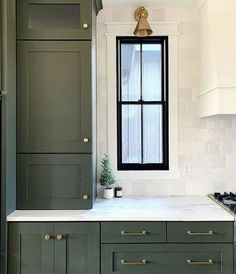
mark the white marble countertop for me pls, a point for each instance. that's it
(169, 208)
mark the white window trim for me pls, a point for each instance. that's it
(169, 29)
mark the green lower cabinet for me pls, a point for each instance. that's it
(47, 248)
(77, 248)
(29, 251)
(167, 258)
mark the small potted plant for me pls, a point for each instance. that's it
(106, 178)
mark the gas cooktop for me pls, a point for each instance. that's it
(228, 199)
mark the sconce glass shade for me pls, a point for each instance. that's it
(142, 29)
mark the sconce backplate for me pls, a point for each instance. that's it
(138, 12)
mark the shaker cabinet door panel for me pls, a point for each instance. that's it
(54, 112)
(30, 249)
(54, 181)
(167, 258)
(54, 19)
(77, 248)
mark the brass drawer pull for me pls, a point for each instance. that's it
(209, 233)
(209, 262)
(125, 233)
(133, 262)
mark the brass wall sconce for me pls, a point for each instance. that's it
(142, 29)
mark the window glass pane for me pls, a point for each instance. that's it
(152, 134)
(131, 134)
(130, 72)
(54, 16)
(151, 72)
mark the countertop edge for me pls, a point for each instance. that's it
(140, 209)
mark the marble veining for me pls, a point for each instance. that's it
(169, 208)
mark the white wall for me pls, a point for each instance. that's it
(207, 145)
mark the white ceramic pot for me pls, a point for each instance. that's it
(108, 193)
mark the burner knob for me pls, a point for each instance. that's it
(216, 195)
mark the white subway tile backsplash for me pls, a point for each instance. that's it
(206, 145)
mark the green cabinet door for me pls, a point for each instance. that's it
(54, 108)
(54, 248)
(77, 248)
(54, 19)
(31, 251)
(54, 181)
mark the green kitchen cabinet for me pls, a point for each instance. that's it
(78, 251)
(56, 79)
(29, 251)
(55, 181)
(8, 121)
(199, 232)
(48, 248)
(54, 19)
(54, 98)
(133, 232)
(167, 258)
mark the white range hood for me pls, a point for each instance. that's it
(217, 19)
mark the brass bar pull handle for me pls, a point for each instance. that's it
(209, 233)
(133, 262)
(126, 233)
(209, 262)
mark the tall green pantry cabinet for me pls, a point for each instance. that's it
(55, 111)
(8, 120)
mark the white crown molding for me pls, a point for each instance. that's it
(126, 28)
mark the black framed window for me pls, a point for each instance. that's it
(142, 103)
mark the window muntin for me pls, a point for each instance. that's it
(142, 103)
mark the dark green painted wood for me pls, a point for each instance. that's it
(79, 249)
(177, 232)
(29, 252)
(111, 232)
(8, 121)
(54, 108)
(167, 258)
(98, 5)
(77, 252)
(25, 31)
(54, 181)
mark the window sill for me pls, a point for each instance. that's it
(147, 175)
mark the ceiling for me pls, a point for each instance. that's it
(190, 4)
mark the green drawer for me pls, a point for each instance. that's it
(133, 232)
(199, 232)
(167, 258)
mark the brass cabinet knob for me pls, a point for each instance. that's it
(85, 197)
(85, 26)
(47, 237)
(86, 140)
(59, 237)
